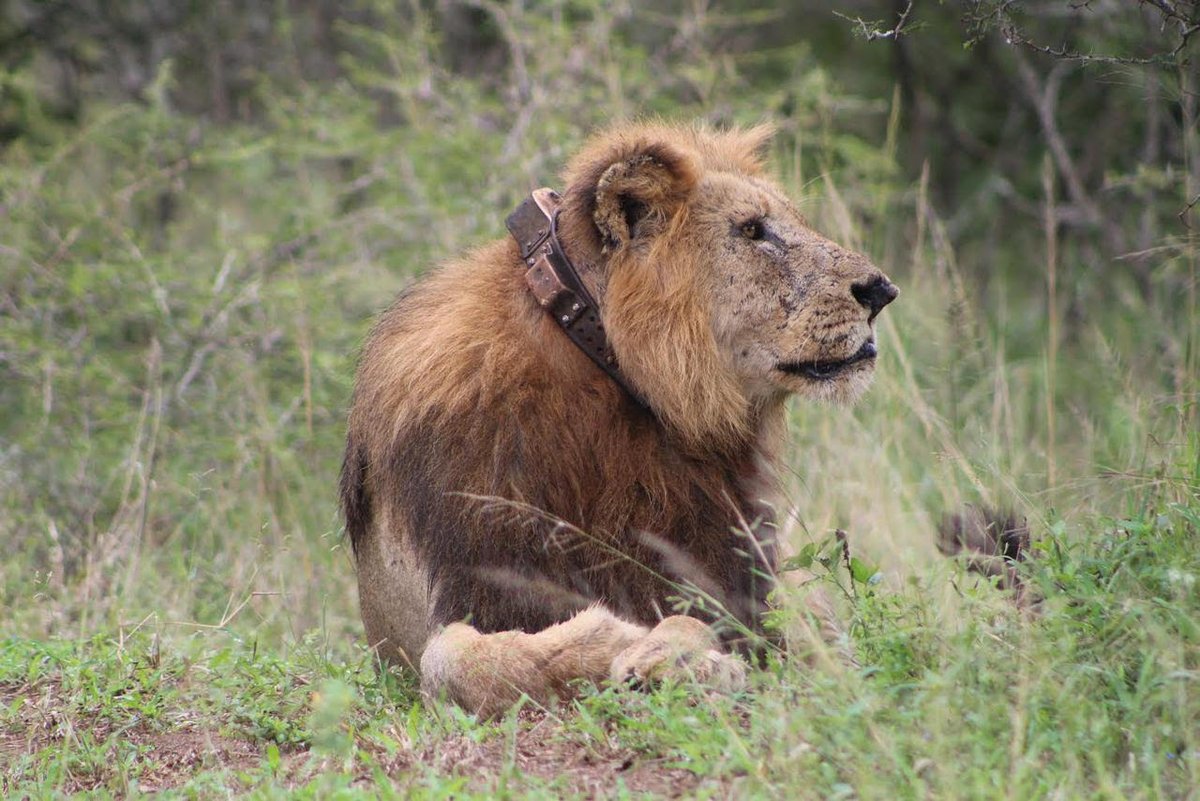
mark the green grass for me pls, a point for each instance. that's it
(1093, 696)
(182, 305)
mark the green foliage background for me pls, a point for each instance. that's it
(202, 206)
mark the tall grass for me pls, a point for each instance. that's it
(185, 305)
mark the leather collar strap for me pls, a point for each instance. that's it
(554, 282)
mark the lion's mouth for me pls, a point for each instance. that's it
(824, 371)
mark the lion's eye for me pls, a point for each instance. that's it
(753, 229)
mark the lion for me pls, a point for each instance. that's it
(528, 509)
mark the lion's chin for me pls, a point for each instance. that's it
(843, 388)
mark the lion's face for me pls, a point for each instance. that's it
(718, 298)
(792, 310)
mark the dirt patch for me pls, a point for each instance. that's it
(168, 759)
(39, 720)
(173, 758)
(165, 759)
(540, 749)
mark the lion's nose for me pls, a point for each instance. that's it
(875, 293)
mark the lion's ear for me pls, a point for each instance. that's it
(638, 190)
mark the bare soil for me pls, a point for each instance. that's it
(540, 749)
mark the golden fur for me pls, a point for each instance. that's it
(518, 520)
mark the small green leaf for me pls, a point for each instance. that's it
(802, 560)
(861, 571)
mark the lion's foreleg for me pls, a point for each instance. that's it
(680, 647)
(487, 673)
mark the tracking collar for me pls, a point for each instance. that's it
(556, 285)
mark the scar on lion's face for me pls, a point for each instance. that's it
(700, 230)
(793, 310)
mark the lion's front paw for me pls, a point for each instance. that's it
(679, 648)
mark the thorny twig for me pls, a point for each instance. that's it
(1169, 11)
(1183, 213)
(1188, 26)
(871, 30)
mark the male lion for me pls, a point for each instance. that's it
(532, 484)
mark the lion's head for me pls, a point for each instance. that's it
(718, 297)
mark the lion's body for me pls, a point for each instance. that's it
(495, 475)
(489, 440)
